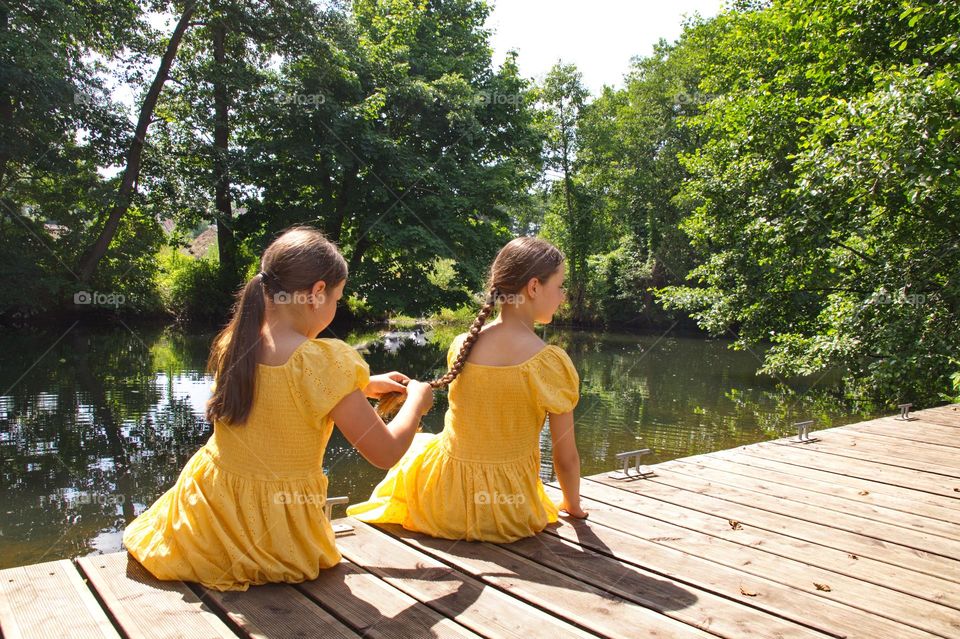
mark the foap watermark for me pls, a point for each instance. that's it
(301, 99)
(298, 297)
(83, 498)
(914, 299)
(694, 97)
(485, 498)
(508, 298)
(99, 298)
(492, 97)
(87, 98)
(286, 497)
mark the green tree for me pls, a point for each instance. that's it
(563, 99)
(825, 191)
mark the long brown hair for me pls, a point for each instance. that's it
(521, 260)
(295, 261)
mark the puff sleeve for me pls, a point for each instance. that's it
(556, 384)
(323, 373)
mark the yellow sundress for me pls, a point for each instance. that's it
(248, 507)
(479, 478)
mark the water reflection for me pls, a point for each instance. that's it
(94, 425)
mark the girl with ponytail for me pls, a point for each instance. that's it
(479, 478)
(248, 508)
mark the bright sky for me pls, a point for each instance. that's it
(599, 36)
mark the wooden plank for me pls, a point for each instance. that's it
(860, 545)
(902, 579)
(949, 414)
(482, 608)
(726, 473)
(274, 610)
(843, 446)
(762, 459)
(915, 451)
(799, 455)
(49, 600)
(905, 537)
(916, 431)
(896, 607)
(374, 608)
(589, 607)
(680, 586)
(144, 606)
(947, 419)
(885, 495)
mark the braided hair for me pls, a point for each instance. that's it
(521, 260)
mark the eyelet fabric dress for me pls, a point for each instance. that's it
(479, 478)
(248, 507)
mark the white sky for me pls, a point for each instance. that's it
(599, 36)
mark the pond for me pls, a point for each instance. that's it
(95, 424)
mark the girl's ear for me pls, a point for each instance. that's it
(319, 292)
(533, 286)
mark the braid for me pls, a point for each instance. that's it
(472, 335)
(390, 403)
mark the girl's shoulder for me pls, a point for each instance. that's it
(327, 353)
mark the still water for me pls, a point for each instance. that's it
(95, 425)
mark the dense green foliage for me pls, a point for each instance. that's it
(784, 173)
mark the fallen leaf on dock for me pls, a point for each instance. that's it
(864, 492)
(852, 556)
(744, 591)
(735, 524)
(823, 587)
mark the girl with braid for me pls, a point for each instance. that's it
(479, 478)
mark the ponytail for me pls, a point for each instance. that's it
(233, 358)
(295, 261)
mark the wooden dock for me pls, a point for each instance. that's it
(855, 535)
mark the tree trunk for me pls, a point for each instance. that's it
(93, 255)
(226, 241)
(6, 101)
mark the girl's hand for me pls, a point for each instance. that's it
(421, 394)
(384, 383)
(574, 511)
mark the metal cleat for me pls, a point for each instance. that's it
(803, 433)
(338, 529)
(638, 471)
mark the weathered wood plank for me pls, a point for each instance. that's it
(822, 534)
(275, 611)
(938, 453)
(482, 608)
(926, 504)
(833, 443)
(707, 596)
(714, 523)
(50, 600)
(144, 606)
(933, 545)
(948, 415)
(582, 604)
(802, 577)
(726, 473)
(919, 430)
(374, 608)
(882, 472)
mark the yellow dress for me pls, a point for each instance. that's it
(248, 508)
(479, 478)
